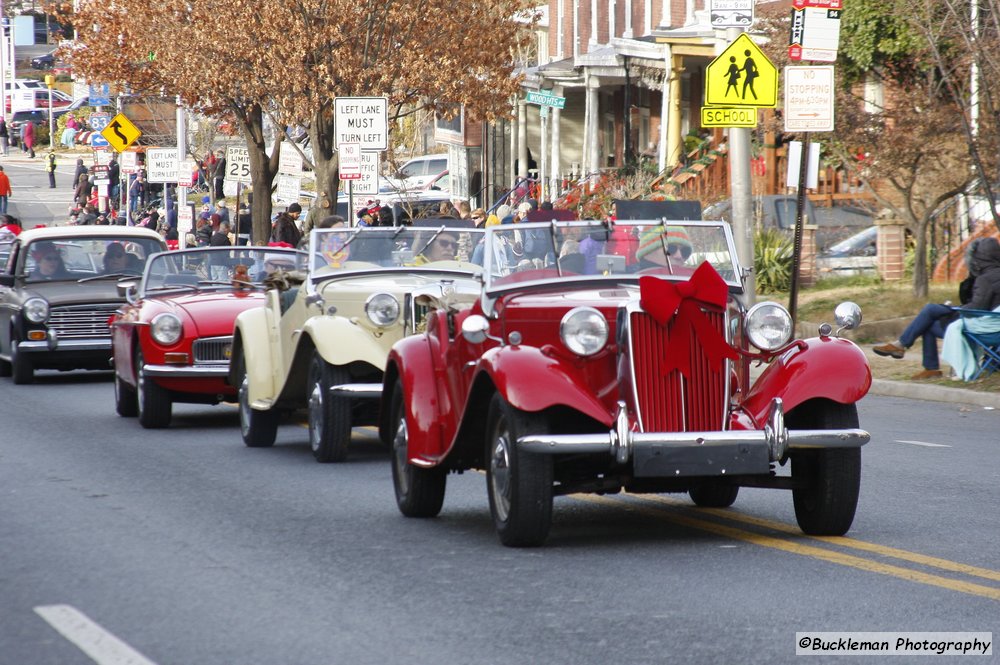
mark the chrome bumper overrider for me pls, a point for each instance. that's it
(186, 371)
(697, 453)
(67, 345)
(357, 390)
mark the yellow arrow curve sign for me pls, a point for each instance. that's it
(121, 133)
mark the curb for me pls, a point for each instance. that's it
(887, 388)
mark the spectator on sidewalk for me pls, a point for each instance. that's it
(5, 191)
(68, 137)
(4, 137)
(244, 225)
(28, 138)
(219, 174)
(983, 260)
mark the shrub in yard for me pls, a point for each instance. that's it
(772, 258)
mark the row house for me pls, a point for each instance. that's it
(631, 73)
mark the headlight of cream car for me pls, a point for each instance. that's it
(584, 331)
(382, 309)
(166, 328)
(768, 326)
(36, 310)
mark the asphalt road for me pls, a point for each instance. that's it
(193, 549)
(32, 201)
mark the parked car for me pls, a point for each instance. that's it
(322, 346)
(624, 364)
(56, 296)
(852, 256)
(418, 172)
(173, 340)
(39, 117)
(45, 61)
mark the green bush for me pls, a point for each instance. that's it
(772, 254)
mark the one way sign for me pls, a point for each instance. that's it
(121, 133)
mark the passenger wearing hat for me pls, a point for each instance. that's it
(660, 247)
(285, 229)
(222, 211)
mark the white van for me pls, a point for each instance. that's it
(420, 171)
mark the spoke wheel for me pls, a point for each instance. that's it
(22, 371)
(419, 492)
(329, 416)
(519, 484)
(258, 428)
(825, 505)
(154, 403)
(126, 402)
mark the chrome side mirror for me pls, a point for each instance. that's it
(847, 315)
(128, 290)
(475, 329)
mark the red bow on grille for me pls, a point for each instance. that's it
(681, 303)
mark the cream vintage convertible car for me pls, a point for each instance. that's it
(322, 339)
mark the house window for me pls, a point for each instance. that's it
(450, 120)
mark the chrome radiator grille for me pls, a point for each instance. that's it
(212, 350)
(81, 321)
(672, 403)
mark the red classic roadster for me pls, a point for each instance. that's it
(610, 356)
(172, 341)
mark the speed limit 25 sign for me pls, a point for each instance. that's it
(237, 164)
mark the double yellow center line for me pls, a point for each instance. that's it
(684, 514)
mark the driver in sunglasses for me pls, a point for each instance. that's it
(442, 248)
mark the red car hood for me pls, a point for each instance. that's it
(214, 313)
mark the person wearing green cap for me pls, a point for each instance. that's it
(663, 247)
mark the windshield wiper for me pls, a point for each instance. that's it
(428, 243)
(110, 274)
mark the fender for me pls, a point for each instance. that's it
(827, 367)
(412, 362)
(252, 334)
(341, 342)
(533, 381)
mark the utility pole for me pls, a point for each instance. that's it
(741, 194)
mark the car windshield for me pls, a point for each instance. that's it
(364, 248)
(616, 251)
(87, 257)
(215, 267)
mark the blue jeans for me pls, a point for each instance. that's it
(3, 205)
(929, 326)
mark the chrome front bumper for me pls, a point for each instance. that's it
(68, 345)
(186, 371)
(678, 454)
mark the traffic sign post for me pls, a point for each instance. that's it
(363, 121)
(119, 132)
(98, 123)
(741, 76)
(731, 13)
(809, 99)
(815, 30)
(238, 164)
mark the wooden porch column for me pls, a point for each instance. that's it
(890, 246)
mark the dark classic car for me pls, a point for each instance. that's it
(173, 339)
(610, 356)
(58, 289)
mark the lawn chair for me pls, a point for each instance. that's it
(981, 329)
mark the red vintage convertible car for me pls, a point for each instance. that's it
(610, 356)
(172, 341)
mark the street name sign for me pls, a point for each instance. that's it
(717, 116)
(361, 120)
(731, 13)
(809, 99)
(161, 165)
(119, 132)
(741, 76)
(546, 99)
(237, 164)
(815, 30)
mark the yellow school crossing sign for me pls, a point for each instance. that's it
(121, 133)
(741, 76)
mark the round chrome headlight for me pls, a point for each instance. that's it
(769, 326)
(36, 310)
(166, 328)
(382, 309)
(584, 331)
